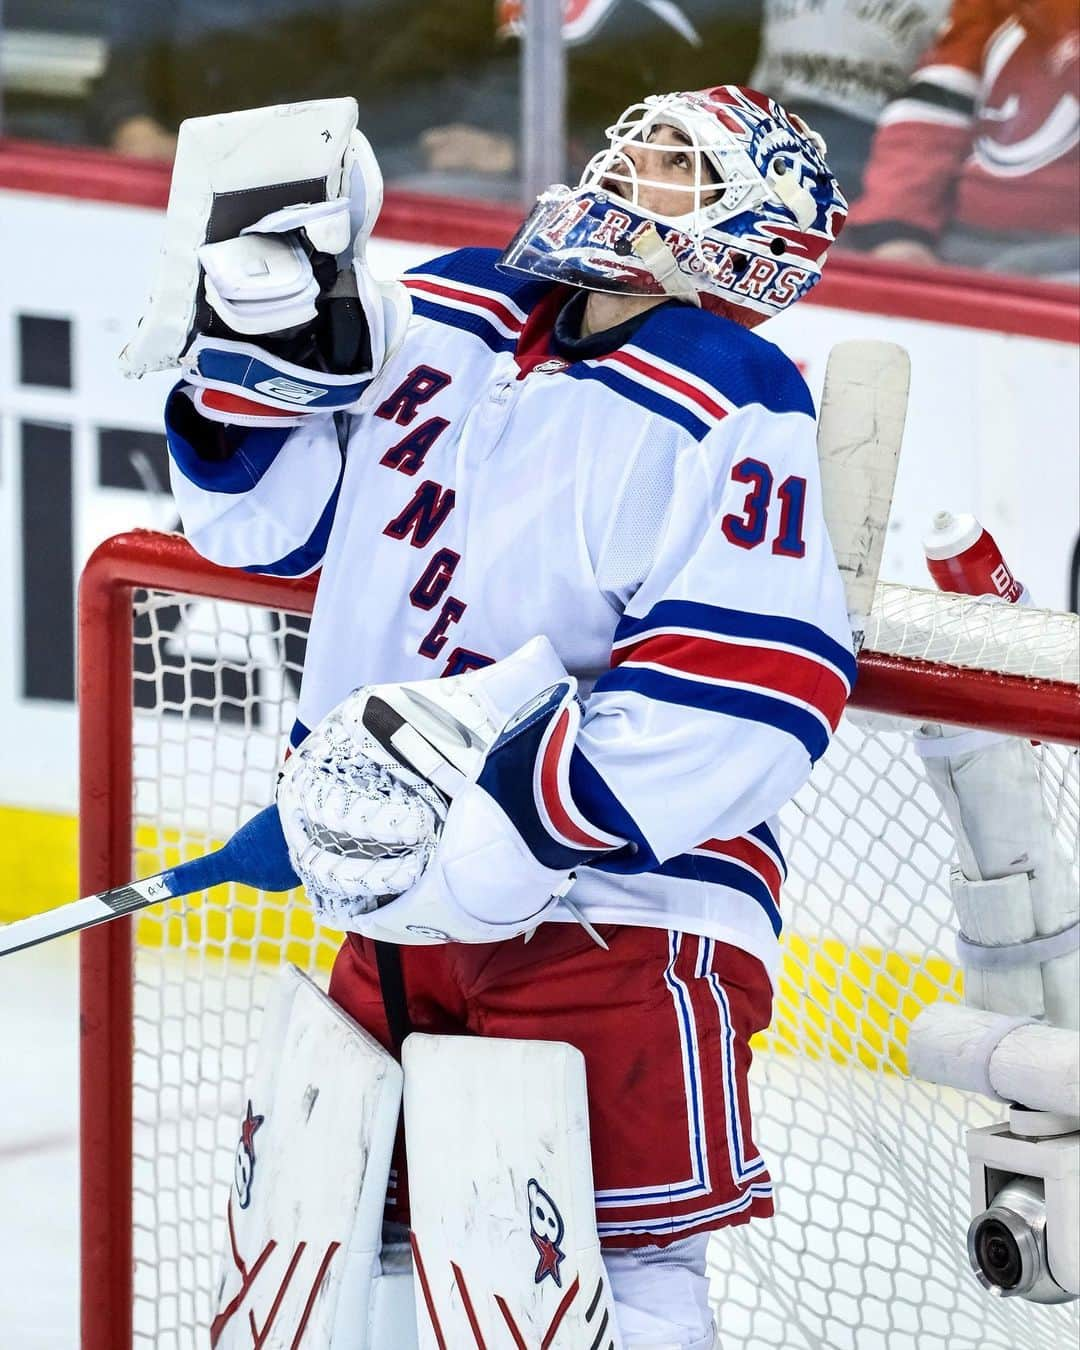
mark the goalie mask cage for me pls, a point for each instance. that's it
(188, 675)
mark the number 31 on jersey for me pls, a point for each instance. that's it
(748, 529)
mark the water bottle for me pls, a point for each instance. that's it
(964, 558)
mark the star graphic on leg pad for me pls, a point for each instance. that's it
(248, 1126)
(550, 1256)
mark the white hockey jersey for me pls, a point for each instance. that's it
(654, 510)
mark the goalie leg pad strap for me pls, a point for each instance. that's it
(997, 916)
(1007, 967)
(953, 1045)
(1008, 1059)
(1012, 955)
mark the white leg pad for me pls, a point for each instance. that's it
(306, 1208)
(392, 1319)
(501, 1196)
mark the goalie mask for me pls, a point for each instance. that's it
(751, 224)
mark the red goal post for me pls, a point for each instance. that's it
(892, 682)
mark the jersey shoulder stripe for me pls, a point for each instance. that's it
(642, 388)
(736, 365)
(696, 369)
(460, 311)
(501, 313)
(463, 290)
(477, 267)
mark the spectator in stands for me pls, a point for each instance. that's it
(169, 60)
(615, 49)
(978, 164)
(438, 85)
(837, 63)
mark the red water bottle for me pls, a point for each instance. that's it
(963, 558)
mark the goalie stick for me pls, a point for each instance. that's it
(860, 428)
(256, 855)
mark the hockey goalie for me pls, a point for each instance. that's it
(579, 635)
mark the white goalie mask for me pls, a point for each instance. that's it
(761, 208)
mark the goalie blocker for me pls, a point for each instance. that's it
(263, 296)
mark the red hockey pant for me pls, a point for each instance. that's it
(664, 1021)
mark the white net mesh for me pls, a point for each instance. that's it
(868, 1249)
(978, 632)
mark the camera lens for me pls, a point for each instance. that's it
(998, 1255)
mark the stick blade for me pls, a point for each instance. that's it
(860, 430)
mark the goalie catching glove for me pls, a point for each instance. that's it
(415, 813)
(263, 296)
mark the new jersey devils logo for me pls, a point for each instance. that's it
(245, 1157)
(1027, 117)
(547, 1228)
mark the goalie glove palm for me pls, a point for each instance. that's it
(356, 832)
(290, 335)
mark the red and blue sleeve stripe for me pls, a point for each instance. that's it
(770, 669)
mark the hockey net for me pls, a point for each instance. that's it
(188, 678)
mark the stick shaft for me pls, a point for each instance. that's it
(85, 913)
(255, 856)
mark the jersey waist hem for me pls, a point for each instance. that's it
(761, 944)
